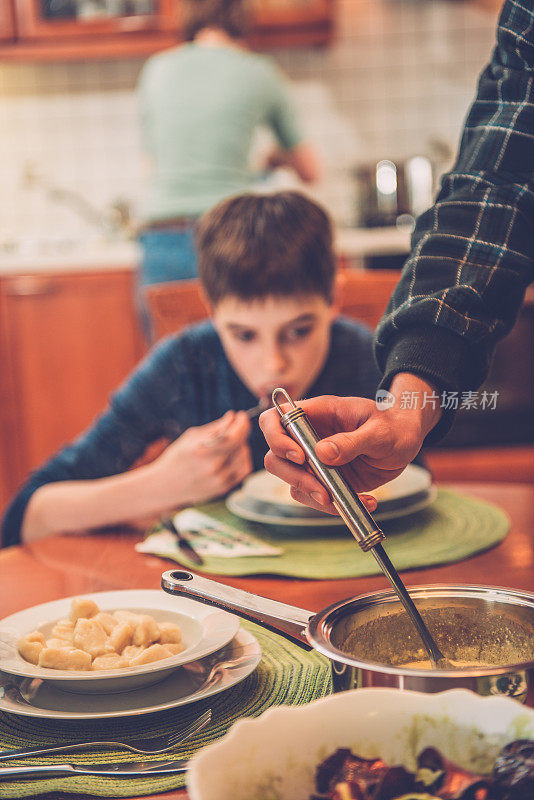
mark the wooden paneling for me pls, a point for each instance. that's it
(290, 12)
(292, 23)
(175, 305)
(365, 295)
(485, 464)
(7, 25)
(10, 457)
(67, 342)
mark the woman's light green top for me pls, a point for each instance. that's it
(200, 106)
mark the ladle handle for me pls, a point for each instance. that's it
(289, 621)
(347, 503)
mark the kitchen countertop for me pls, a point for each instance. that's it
(359, 242)
(40, 255)
(71, 257)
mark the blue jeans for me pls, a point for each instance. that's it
(167, 255)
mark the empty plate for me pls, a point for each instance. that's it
(266, 499)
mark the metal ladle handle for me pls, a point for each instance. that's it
(354, 514)
(347, 503)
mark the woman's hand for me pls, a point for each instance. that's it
(374, 444)
(205, 462)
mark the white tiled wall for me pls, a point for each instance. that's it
(400, 74)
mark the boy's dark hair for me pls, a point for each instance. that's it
(231, 16)
(253, 246)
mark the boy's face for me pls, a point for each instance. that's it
(275, 341)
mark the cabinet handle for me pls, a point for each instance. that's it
(32, 287)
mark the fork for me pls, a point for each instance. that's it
(153, 746)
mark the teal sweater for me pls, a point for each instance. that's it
(200, 107)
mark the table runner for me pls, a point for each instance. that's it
(453, 527)
(286, 675)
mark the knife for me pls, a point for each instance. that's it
(182, 542)
(128, 769)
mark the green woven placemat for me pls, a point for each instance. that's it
(453, 527)
(286, 675)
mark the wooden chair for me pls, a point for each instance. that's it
(173, 306)
(364, 295)
(360, 295)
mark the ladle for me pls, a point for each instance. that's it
(356, 517)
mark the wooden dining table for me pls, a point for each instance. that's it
(62, 566)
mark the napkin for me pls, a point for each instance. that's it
(209, 537)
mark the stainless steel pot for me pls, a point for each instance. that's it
(389, 193)
(369, 638)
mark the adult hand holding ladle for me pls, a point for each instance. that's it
(353, 512)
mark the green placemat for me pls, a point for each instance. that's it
(286, 675)
(453, 527)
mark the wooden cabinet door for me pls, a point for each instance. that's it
(287, 23)
(291, 12)
(7, 26)
(67, 342)
(41, 19)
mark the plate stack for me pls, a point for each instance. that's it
(209, 636)
(265, 498)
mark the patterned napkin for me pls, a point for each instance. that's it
(210, 537)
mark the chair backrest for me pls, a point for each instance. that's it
(364, 295)
(360, 295)
(173, 306)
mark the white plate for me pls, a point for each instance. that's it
(282, 748)
(266, 488)
(238, 504)
(204, 630)
(178, 689)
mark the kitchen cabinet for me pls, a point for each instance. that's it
(61, 30)
(66, 342)
(56, 30)
(7, 25)
(283, 23)
(50, 19)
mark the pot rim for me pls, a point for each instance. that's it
(321, 624)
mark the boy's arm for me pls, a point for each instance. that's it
(195, 468)
(68, 506)
(137, 416)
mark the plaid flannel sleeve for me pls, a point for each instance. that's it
(473, 251)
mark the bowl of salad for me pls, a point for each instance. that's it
(375, 744)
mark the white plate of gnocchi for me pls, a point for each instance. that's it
(180, 688)
(111, 641)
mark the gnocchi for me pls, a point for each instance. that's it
(90, 639)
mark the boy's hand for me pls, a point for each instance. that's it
(205, 462)
(376, 445)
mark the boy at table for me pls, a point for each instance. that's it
(267, 267)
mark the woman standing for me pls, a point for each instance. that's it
(201, 103)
